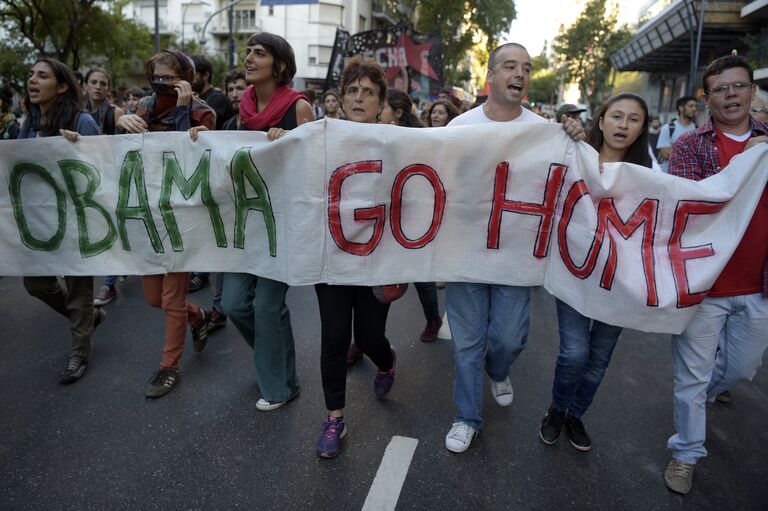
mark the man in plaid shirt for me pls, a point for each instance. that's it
(724, 342)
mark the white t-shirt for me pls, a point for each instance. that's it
(477, 116)
(664, 140)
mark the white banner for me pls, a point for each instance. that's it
(346, 203)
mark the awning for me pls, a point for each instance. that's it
(664, 44)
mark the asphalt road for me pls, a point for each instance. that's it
(99, 444)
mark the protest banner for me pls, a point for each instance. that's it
(348, 203)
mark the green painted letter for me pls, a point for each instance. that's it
(85, 200)
(243, 168)
(172, 174)
(17, 174)
(133, 171)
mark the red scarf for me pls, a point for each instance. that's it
(281, 100)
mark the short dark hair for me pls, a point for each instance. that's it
(358, 68)
(637, 153)
(684, 101)
(232, 76)
(282, 53)
(310, 94)
(134, 91)
(495, 53)
(717, 66)
(203, 65)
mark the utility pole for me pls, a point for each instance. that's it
(157, 26)
(231, 59)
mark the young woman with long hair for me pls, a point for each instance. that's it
(440, 113)
(52, 99)
(171, 107)
(332, 105)
(620, 134)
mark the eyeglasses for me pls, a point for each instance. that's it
(756, 111)
(722, 90)
(164, 78)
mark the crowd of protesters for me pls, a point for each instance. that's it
(722, 345)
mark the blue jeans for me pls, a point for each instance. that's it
(739, 326)
(256, 306)
(586, 346)
(110, 280)
(489, 325)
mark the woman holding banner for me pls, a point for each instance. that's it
(52, 99)
(171, 107)
(256, 305)
(347, 308)
(619, 134)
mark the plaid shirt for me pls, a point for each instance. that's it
(695, 155)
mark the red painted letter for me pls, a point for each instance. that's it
(545, 210)
(397, 198)
(644, 215)
(679, 254)
(375, 213)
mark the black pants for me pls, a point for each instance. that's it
(341, 309)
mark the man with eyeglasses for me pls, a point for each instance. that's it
(724, 342)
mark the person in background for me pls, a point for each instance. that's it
(235, 85)
(171, 107)
(9, 127)
(213, 96)
(619, 134)
(311, 96)
(440, 113)
(131, 99)
(758, 109)
(570, 111)
(53, 101)
(675, 128)
(332, 104)
(724, 342)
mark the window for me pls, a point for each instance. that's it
(320, 55)
(244, 20)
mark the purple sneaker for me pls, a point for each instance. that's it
(384, 380)
(329, 443)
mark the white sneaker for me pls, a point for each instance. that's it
(459, 437)
(502, 391)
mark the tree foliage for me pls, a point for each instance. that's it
(77, 32)
(461, 23)
(585, 47)
(545, 81)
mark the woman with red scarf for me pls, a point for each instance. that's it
(256, 305)
(171, 107)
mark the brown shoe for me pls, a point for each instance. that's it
(353, 354)
(430, 331)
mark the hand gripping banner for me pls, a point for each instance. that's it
(347, 203)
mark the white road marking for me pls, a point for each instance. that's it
(385, 490)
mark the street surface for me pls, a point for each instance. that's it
(100, 444)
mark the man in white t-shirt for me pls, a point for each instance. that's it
(489, 322)
(670, 132)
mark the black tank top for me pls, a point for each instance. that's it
(288, 122)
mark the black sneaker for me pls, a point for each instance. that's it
(579, 437)
(218, 320)
(75, 370)
(162, 382)
(198, 282)
(200, 332)
(551, 425)
(100, 316)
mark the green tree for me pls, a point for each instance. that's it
(585, 47)
(544, 81)
(78, 32)
(461, 23)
